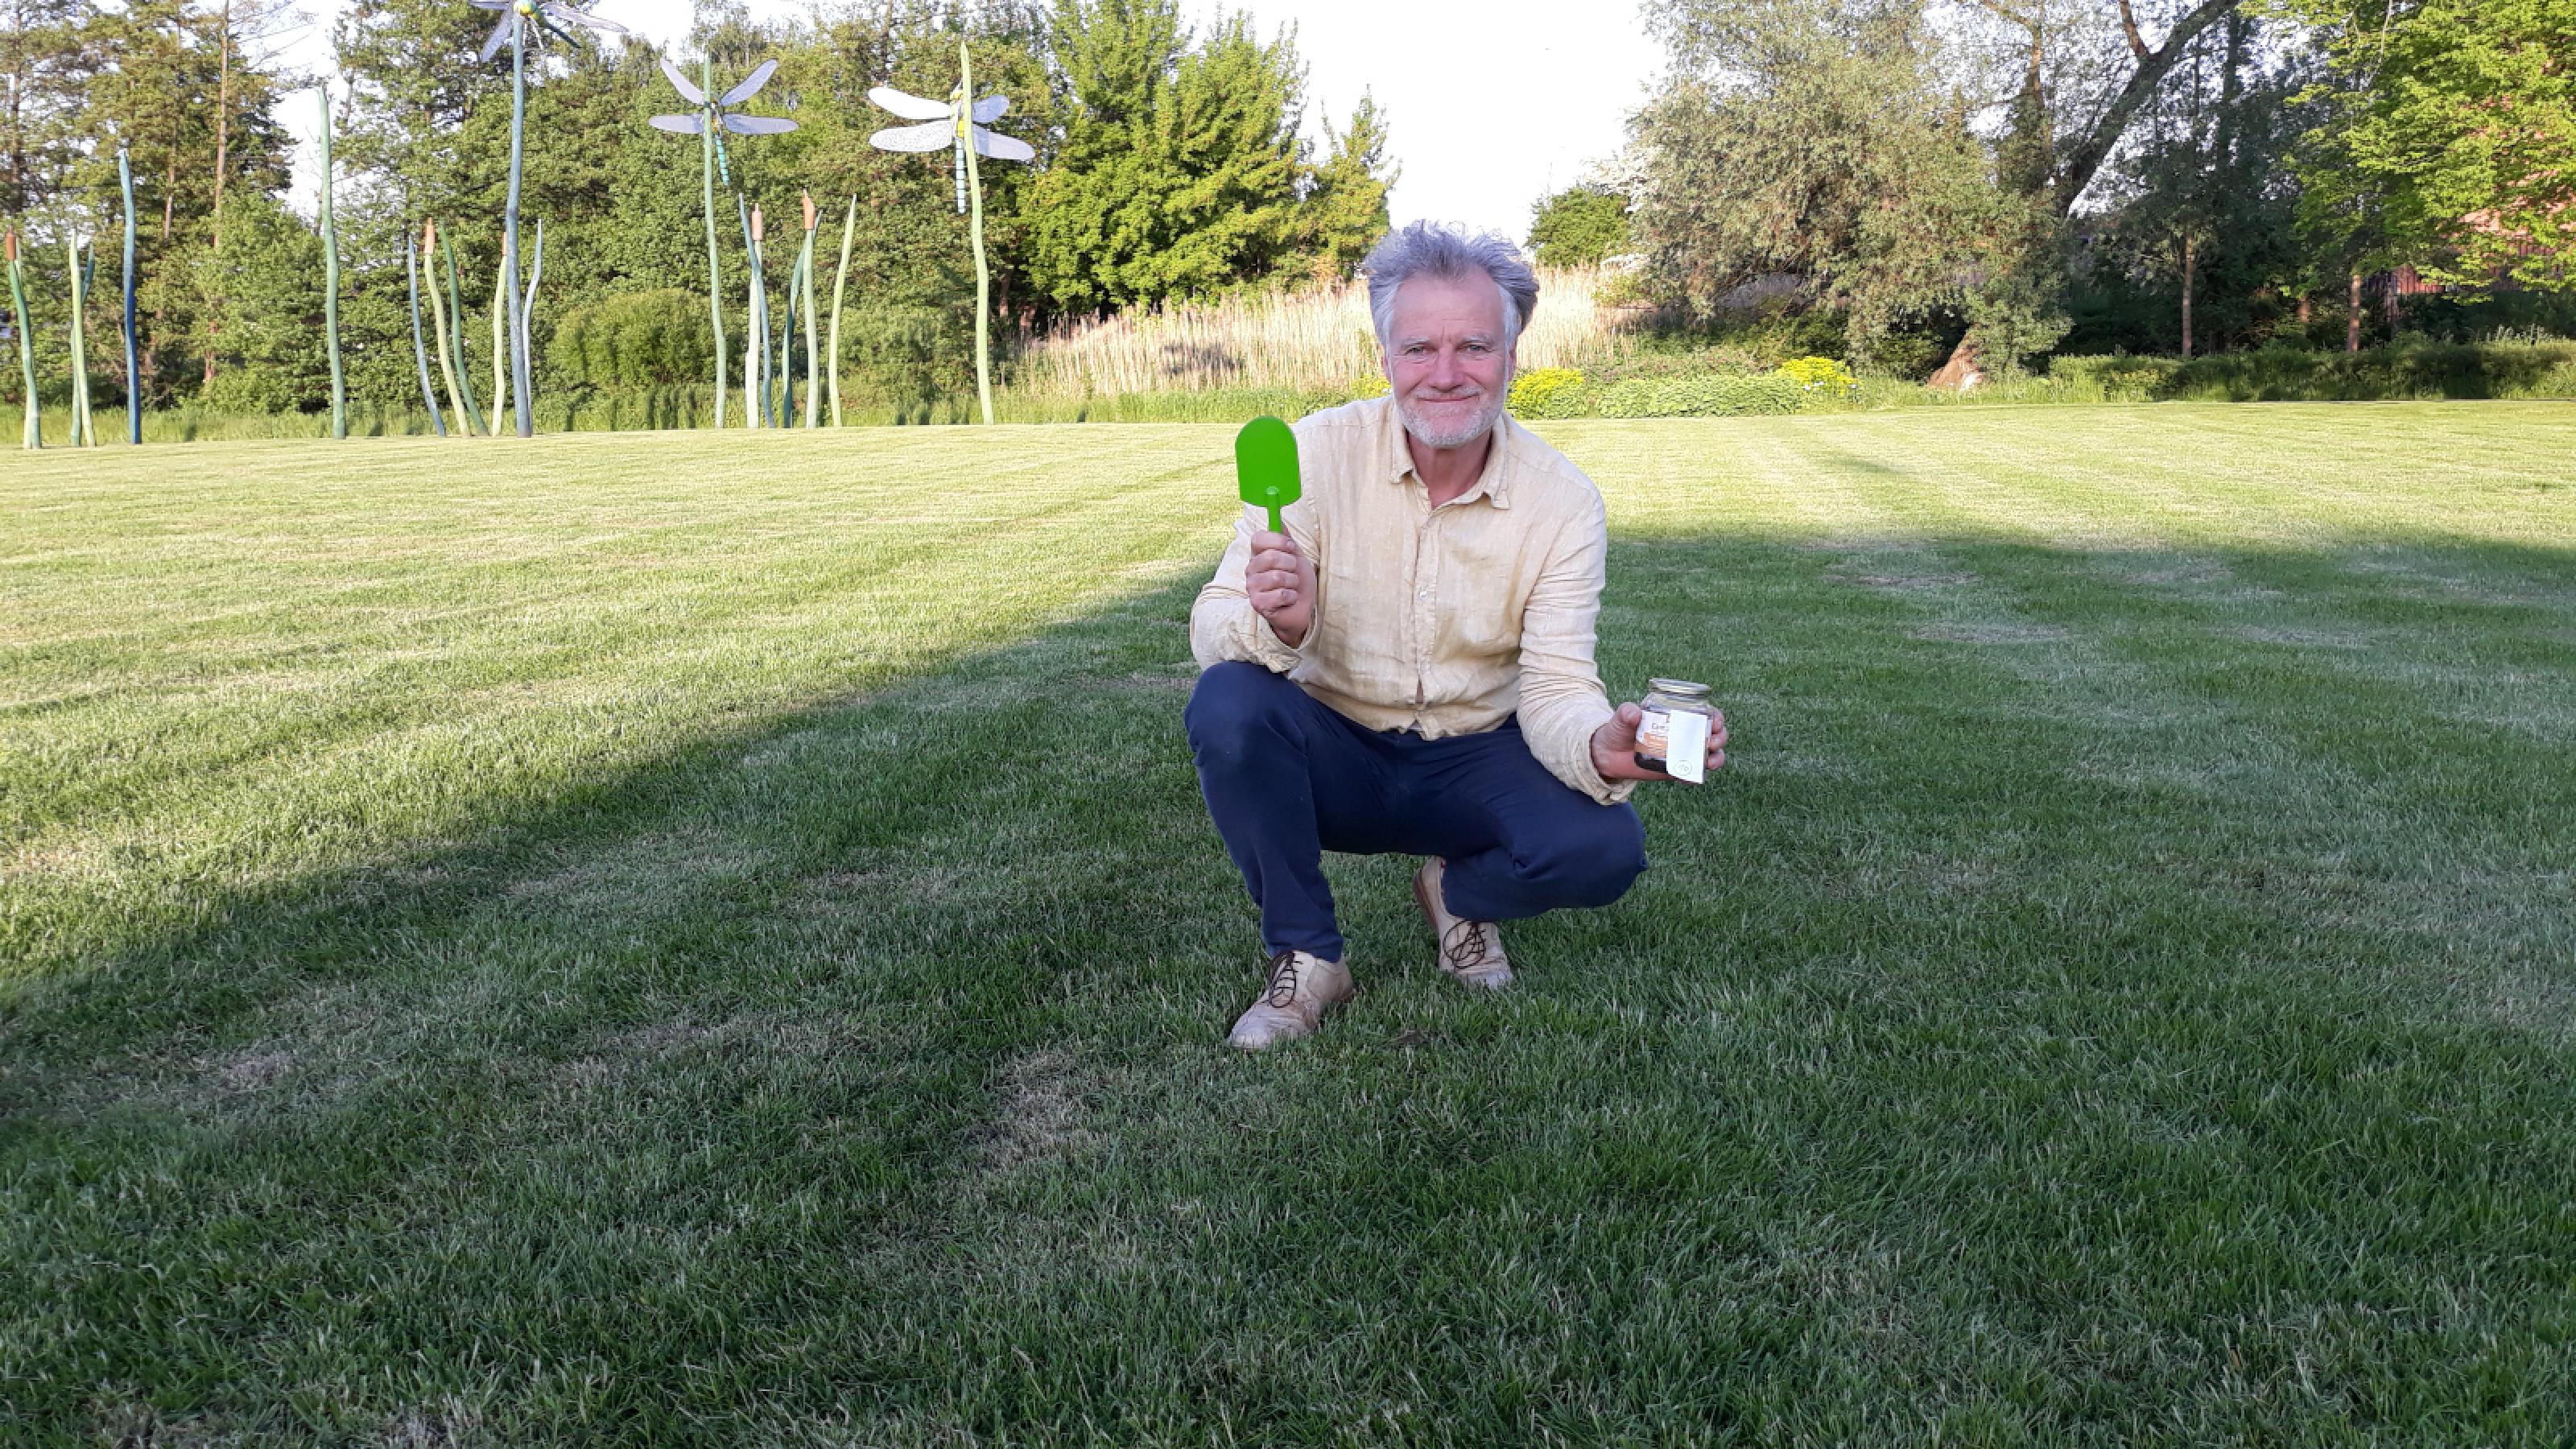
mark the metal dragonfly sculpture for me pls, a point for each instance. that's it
(524, 23)
(959, 126)
(712, 118)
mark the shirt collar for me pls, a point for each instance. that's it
(1491, 484)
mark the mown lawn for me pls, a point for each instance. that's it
(713, 939)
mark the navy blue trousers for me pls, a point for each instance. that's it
(1287, 779)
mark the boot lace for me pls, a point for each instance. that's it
(1282, 991)
(1470, 944)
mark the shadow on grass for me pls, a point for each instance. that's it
(2028, 1035)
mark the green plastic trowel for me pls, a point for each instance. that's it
(1265, 464)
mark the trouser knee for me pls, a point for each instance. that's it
(1233, 706)
(1596, 865)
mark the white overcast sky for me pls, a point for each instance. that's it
(1491, 104)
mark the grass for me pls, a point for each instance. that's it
(694, 940)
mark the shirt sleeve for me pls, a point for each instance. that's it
(1561, 699)
(1223, 623)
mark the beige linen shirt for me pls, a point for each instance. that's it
(1442, 621)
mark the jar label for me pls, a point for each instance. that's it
(1685, 749)
(1678, 738)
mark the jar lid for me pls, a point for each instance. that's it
(1678, 688)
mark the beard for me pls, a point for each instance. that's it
(1456, 434)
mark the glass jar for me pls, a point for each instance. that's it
(1664, 699)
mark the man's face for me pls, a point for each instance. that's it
(1446, 360)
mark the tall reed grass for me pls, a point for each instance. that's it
(1306, 341)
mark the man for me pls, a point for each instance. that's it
(1409, 668)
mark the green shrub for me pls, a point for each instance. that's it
(633, 340)
(1538, 392)
(1710, 395)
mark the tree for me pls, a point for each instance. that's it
(168, 86)
(270, 275)
(2077, 73)
(1579, 226)
(2202, 202)
(43, 67)
(2449, 139)
(1813, 138)
(1181, 172)
(1345, 201)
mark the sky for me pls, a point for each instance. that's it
(1485, 115)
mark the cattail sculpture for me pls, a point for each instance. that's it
(420, 348)
(755, 373)
(463, 377)
(33, 435)
(840, 279)
(805, 287)
(524, 23)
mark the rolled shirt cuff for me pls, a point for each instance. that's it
(1574, 763)
(1268, 649)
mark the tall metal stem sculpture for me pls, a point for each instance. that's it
(331, 280)
(438, 321)
(133, 380)
(504, 303)
(83, 435)
(33, 435)
(840, 279)
(959, 125)
(709, 123)
(522, 23)
(420, 348)
(510, 237)
(528, 302)
(983, 274)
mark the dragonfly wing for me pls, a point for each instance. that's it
(595, 22)
(690, 125)
(1001, 147)
(750, 83)
(500, 36)
(680, 82)
(489, 4)
(908, 106)
(991, 109)
(759, 125)
(929, 137)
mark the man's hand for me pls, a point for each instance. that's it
(1614, 746)
(1280, 581)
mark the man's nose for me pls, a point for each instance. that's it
(1446, 374)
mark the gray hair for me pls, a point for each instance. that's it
(1428, 248)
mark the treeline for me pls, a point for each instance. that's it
(1993, 179)
(1170, 164)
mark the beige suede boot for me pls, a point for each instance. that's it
(1470, 951)
(1297, 993)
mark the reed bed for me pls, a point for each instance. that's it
(1306, 340)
